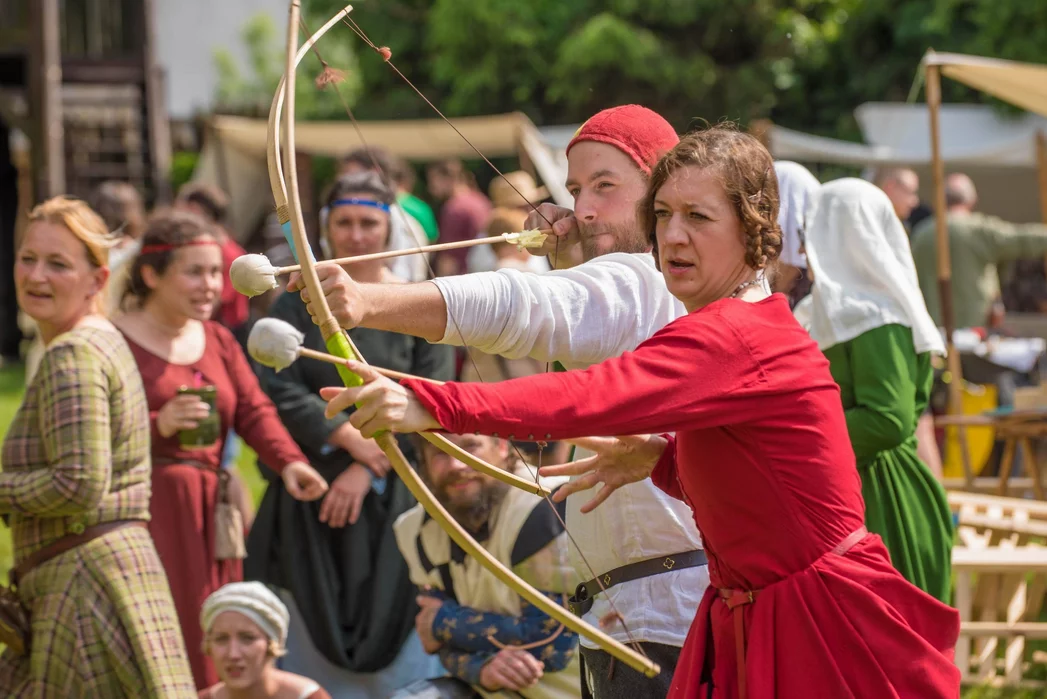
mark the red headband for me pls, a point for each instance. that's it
(165, 247)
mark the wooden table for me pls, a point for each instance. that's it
(1013, 428)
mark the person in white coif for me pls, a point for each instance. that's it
(245, 629)
(796, 195)
(796, 186)
(871, 322)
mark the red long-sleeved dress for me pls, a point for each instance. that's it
(184, 495)
(762, 455)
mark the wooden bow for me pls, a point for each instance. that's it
(289, 210)
(280, 194)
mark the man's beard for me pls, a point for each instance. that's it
(596, 237)
(473, 514)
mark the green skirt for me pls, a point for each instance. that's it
(907, 506)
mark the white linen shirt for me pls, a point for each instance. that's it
(579, 317)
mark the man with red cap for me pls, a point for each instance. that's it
(641, 566)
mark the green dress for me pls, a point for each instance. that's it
(885, 387)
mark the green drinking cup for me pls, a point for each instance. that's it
(207, 430)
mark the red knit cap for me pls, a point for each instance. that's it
(636, 131)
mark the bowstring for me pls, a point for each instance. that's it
(349, 22)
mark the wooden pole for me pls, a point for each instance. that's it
(955, 406)
(158, 124)
(45, 70)
(934, 103)
(1041, 176)
(1041, 171)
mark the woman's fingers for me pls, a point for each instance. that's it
(605, 492)
(341, 510)
(339, 399)
(355, 506)
(571, 468)
(578, 485)
(293, 489)
(327, 506)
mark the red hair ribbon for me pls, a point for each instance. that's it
(165, 247)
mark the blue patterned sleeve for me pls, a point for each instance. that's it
(463, 664)
(463, 628)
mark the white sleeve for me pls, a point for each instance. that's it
(581, 315)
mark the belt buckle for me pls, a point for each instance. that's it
(581, 603)
(668, 563)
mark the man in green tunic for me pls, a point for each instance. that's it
(977, 245)
(868, 317)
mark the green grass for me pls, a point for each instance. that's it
(11, 386)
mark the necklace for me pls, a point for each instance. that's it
(745, 285)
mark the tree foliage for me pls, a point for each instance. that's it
(803, 63)
(251, 93)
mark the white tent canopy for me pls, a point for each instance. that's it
(896, 134)
(997, 151)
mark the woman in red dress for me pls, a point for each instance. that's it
(803, 602)
(174, 284)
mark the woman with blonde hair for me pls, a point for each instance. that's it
(245, 630)
(120, 208)
(75, 485)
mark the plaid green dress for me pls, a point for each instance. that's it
(77, 454)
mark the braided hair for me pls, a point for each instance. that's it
(746, 171)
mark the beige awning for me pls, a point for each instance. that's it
(415, 139)
(1021, 84)
(233, 156)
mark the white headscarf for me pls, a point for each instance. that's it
(864, 276)
(796, 187)
(254, 601)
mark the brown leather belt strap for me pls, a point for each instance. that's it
(736, 599)
(582, 601)
(67, 543)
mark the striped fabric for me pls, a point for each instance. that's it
(77, 454)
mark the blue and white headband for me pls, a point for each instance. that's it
(353, 201)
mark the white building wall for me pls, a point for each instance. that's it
(187, 34)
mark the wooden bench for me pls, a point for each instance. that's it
(1011, 581)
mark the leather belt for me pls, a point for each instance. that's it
(736, 599)
(67, 543)
(582, 601)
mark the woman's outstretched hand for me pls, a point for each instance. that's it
(616, 461)
(381, 404)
